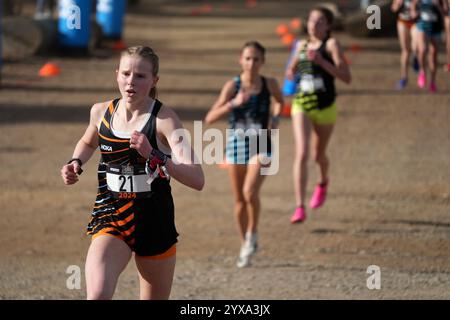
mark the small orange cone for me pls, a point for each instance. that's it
(206, 8)
(119, 45)
(355, 48)
(288, 39)
(296, 24)
(49, 70)
(286, 111)
(194, 12)
(251, 3)
(282, 29)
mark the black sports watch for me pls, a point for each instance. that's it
(80, 163)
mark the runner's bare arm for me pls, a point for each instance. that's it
(88, 143)
(86, 146)
(223, 104)
(340, 68)
(413, 9)
(275, 91)
(184, 166)
(396, 4)
(292, 67)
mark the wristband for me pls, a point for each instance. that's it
(156, 158)
(275, 120)
(156, 165)
(80, 163)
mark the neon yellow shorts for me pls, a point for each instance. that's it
(324, 116)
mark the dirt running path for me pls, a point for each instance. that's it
(389, 201)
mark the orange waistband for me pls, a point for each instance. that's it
(167, 254)
(408, 24)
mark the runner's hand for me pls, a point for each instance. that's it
(289, 74)
(241, 98)
(140, 142)
(69, 173)
(315, 56)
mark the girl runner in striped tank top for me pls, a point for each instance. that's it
(246, 101)
(133, 210)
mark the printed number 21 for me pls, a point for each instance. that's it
(124, 180)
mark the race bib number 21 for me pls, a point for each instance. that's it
(129, 185)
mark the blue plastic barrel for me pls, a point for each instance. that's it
(109, 16)
(74, 26)
(1, 47)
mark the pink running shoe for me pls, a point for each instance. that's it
(299, 215)
(319, 196)
(433, 87)
(422, 80)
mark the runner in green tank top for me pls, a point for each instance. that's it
(319, 61)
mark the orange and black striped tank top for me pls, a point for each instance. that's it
(109, 212)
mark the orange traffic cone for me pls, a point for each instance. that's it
(251, 3)
(355, 48)
(286, 111)
(49, 70)
(206, 8)
(119, 45)
(288, 39)
(296, 24)
(282, 29)
(194, 12)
